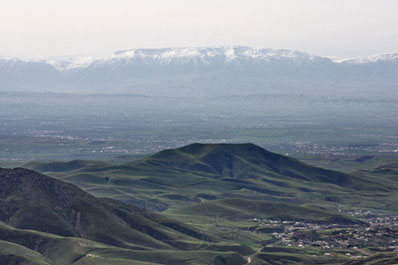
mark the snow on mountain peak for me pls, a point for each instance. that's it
(205, 54)
(382, 58)
(200, 55)
(62, 64)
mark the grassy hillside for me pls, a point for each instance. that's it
(235, 204)
(47, 221)
(241, 209)
(196, 173)
(242, 161)
(21, 246)
(33, 201)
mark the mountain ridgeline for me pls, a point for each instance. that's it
(239, 161)
(206, 72)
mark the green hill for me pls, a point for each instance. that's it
(33, 201)
(47, 221)
(21, 246)
(185, 176)
(241, 161)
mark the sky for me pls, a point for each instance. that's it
(334, 28)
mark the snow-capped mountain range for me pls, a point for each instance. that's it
(206, 55)
(209, 55)
(208, 71)
(383, 58)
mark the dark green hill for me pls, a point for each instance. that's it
(196, 173)
(241, 161)
(47, 221)
(29, 200)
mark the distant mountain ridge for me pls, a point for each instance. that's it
(206, 55)
(208, 71)
(209, 55)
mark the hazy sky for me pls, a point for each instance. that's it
(342, 28)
